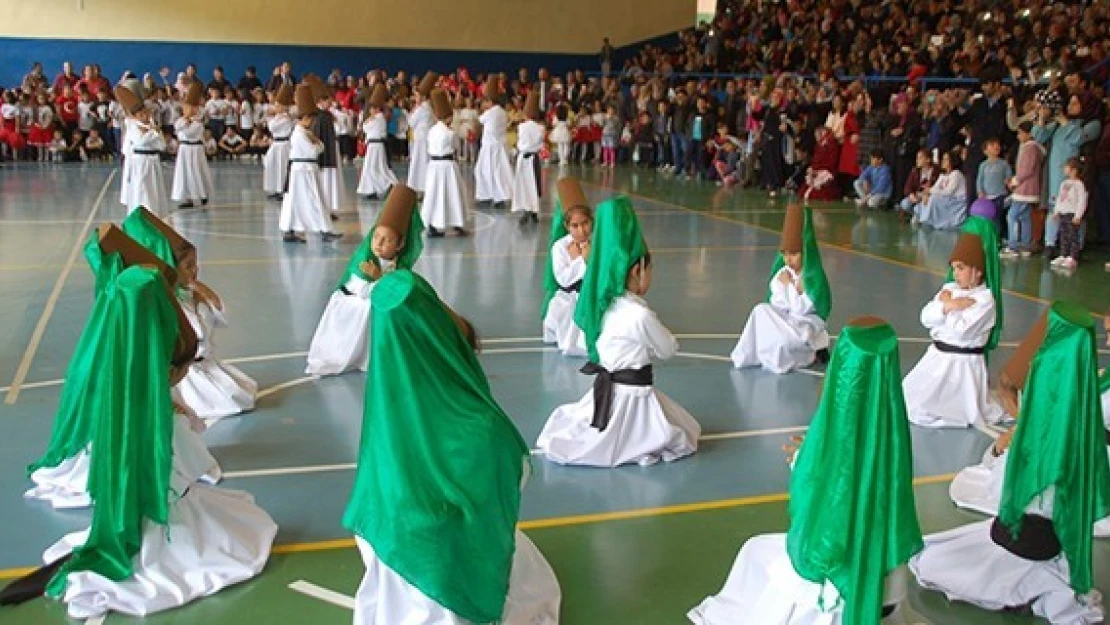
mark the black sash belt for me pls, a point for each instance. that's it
(280, 139)
(345, 290)
(304, 160)
(952, 349)
(1038, 541)
(603, 388)
(369, 141)
(529, 154)
(191, 143)
(146, 152)
(574, 288)
(200, 359)
(442, 157)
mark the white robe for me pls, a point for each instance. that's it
(303, 207)
(212, 389)
(763, 588)
(444, 205)
(952, 390)
(143, 183)
(493, 173)
(966, 565)
(214, 538)
(529, 142)
(275, 165)
(645, 425)
(385, 598)
(331, 183)
(947, 205)
(784, 334)
(420, 121)
(558, 323)
(341, 342)
(376, 177)
(192, 178)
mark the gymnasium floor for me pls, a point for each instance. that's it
(631, 546)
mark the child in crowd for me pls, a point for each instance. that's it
(944, 207)
(232, 146)
(1026, 189)
(1071, 205)
(560, 133)
(74, 151)
(876, 184)
(211, 147)
(643, 153)
(41, 135)
(610, 135)
(94, 146)
(260, 143)
(994, 173)
(820, 177)
(922, 177)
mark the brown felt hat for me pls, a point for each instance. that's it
(427, 83)
(320, 89)
(285, 95)
(195, 94)
(532, 106)
(792, 225)
(180, 246)
(1017, 368)
(969, 251)
(570, 194)
(114, 240)
(378, 96)
(306, 102)
(492, 89)
(441, 105)
(397, 212)
(128, 99)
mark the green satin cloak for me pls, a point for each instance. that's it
(852, 514)
(437, 490)
(992, 275)
(138, 227)
(412, 246)
(1060, 440)
(814, 280)
(132, 446)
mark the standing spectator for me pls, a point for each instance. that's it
(680, 129)
(1101, 194)
(35, 80)
(218, 81)
(66, 79)
(249, 82)
(1026, 188)
(93, 82)
(776, 131)
(1064, 135)
(66, 106)
(283, 75)
(702, 127)
(984, 118)
(903, 140)
(606, 57)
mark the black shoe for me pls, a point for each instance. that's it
(185, 205)
(460, 231)
(535, 217)
(328, 237)
(888, 610)
(204, 202)
(823, 356)
(289, 237)
(433, 233)
(525, 218)
(334, 217)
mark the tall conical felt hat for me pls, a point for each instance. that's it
(969, 251)
(532, 106)
(378, 96)
(319, 88)
(427, 84)
(305, 100)
(441, 105)
(285, 95)
(1017, 368)
(194, 96)
(128, 99)
(570, 194)
(792, 225)
(397, 212)
(492, 89)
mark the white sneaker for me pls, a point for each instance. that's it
(1008, 254)
(1027, 254)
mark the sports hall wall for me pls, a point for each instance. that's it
(144, 35)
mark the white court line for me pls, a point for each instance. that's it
(97, 620)
(323, 594)
(52, 301)
(284, 385)
(752, 433)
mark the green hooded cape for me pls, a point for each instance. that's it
(992, 276)
(412, 246)
(132, 452)
(74, 422)
(558, 231)
(852, 513)
(437, 492)
(1060, 440)
(814, 280)
(138, 227)
(618, 244)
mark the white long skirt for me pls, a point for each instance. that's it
(418, 160)
(493, 173)
(275, 167)
(949, 390)
(331, 188)
(764, 588)
(143, 184)
(192, 178)
(444, 205)
(979, 488)
(645, 426)
(966, 565)
(943, 212)
(559, 326)
(778, 342)
(341, 343)
(65, 486)
(214, 389)
(376, 177)
(214, 538)
(303, 207)
(526, 197)
(385, 598)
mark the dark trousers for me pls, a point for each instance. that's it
(1068, 237)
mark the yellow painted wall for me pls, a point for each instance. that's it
(563, 26)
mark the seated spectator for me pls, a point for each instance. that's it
(95, 149)
(211, 148)
(820, 177)
(260, 142)
(231, 145)
(876, 184)
(945, 205)
(917, 186)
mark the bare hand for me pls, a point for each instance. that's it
(959, 303)
(371, 270)
(1003, 442)
(207, 295)
(784, 277)
(945, 296)
(791, 448)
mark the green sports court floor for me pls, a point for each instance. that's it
(631, 546)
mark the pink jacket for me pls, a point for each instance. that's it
(1030, 168)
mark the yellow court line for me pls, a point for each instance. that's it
(566, 521)
(834, 246)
